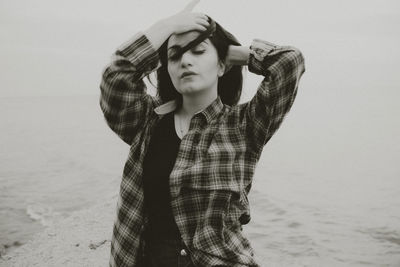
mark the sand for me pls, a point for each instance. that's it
(82, 239)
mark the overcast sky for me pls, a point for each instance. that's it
(52, 47)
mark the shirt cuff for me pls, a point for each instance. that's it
(259, 50)
(140, 52)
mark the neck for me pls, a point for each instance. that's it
(194, 103)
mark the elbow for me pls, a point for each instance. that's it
(116, 66)
(297, 61)
(107, 74)
(289, 67)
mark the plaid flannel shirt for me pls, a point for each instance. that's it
(213, 171)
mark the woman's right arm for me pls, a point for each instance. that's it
(123, 94)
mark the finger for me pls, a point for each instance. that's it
(195, 27)
(189, 7)
(200, 28)
(200, 15)
(203, 22)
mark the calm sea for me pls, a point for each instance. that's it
(321, 196)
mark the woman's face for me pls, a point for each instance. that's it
(202, 60)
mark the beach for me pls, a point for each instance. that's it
(83, 239)
(279, 236)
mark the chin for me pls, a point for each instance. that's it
(189, 90)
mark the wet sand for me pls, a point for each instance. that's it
(83, 239)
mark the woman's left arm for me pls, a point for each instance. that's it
(282, 67)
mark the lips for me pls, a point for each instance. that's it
(187, 73)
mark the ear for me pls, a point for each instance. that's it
(221, 68)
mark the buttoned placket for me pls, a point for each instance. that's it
(188, 140)
(174, 178)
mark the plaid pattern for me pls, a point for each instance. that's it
(213, 171)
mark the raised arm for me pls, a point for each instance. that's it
(123, 94)
(282, 67)
(123, 98)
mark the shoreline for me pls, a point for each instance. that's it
(82, 239)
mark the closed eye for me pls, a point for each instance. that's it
(174, 57)
(198, 52)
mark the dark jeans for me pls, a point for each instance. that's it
(166, 253)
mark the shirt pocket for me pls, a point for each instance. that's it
(218, 161)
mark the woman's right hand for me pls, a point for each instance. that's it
(186, 20)
(181, 22)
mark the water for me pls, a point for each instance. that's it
(321, 197)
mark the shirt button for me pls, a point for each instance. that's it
(183, 252)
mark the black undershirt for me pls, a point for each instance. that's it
(158, 163)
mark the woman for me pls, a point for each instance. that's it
(193, 149)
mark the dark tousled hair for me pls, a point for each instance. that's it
(229, 85)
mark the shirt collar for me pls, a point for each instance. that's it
(210, 112)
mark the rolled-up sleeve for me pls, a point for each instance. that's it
(123, 94)
(282, 67)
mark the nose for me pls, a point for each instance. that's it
(186, 59)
